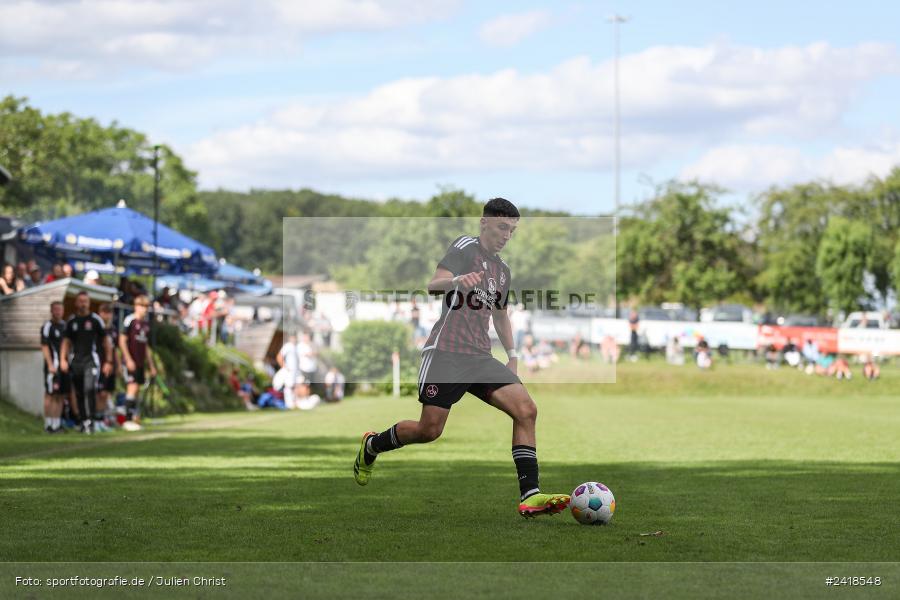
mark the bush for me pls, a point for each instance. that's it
(367, 348)
(196, 375)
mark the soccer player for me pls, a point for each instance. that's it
(107, 383)
(84, 346)
(137, 355)
(56, 383)
(457, 358)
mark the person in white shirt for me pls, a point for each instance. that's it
(289, 360)
(306, 358)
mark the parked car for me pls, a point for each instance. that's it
(865, 320)
(730, 313)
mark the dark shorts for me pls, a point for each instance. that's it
(444, 377)
(136, 376)
(107, 384)
(56, 384)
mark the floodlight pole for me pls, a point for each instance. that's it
(616, 21)
(155, 247)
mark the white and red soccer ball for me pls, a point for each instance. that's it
(592, 503)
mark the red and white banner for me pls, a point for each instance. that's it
(826, 338)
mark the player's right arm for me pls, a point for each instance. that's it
(443, 280)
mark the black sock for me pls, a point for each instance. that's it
(383, 442)
(527, 466)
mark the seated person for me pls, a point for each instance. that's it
(703, 355)
(791, 354)
(529, 355)
(841, 368)
(579, 348)
(823, 365)
(334, 385)
(871, 371)
(773, 360)
(674, 351)
(609, 350)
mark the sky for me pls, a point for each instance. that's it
(396, 98)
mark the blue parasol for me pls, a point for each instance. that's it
(118, 240)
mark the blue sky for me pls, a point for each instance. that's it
(392, 98)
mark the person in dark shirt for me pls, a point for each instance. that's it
(84, 349)
(107, 382)
(56, 383)
(137, 354)
(457, 358)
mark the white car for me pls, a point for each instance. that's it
(865, 320)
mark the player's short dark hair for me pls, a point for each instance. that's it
(82, 293)
(56, 303)
(105, 307)
(500, 207)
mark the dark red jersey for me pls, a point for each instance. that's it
(137, 332)
(465, 313)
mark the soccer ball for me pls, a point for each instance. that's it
(593, 504)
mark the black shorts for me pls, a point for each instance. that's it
(56, 383)
(107, 384)
(445, 376)
(136, 376)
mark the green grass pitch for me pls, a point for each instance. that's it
(738, 464)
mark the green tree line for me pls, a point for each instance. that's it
(810, 248)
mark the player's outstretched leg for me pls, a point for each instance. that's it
(365, 462)
(427, 429)
(514, 400)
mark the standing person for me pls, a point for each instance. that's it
(137, 355)
(633, 324)
(288, 359)
(56, 383)
(108, 382)
(457, 358)
(88, 346)
(306, 358)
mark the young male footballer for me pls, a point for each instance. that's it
(456, 359)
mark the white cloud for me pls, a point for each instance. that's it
(675, 100)
(753, 167)
(176, 34)
(509, 30)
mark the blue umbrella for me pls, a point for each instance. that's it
(118, 240)
(230, 277)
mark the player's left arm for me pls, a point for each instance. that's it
(504, 332)
(109, 357)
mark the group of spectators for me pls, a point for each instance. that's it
(15, 278)
(812, 361)
(83, 358)
(299, 381)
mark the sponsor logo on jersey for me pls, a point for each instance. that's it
(502, 277)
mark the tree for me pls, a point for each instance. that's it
(843, 254)
(680, 247)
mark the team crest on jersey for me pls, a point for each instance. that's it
(484, 264)
(502, 278)
(492, 285)
(74, 325)
(431, 391)
(88, 325)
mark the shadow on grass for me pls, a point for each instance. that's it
(263, 498)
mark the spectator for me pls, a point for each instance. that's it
(546, 355)
(791, 354)
(703, 355)
(288, 359)
(609, 350)
(274, 396)
(811, 355)
(520, 320)
(579, 348)
(529, 354)
(674, 352)
(92, 277)
(823, 365)
(871, 371)
(307, 361)
(334, 385)
(633, 344)
(415, 319)
(67, 270)
(34, 276)
(22, 272)
(55, 273)
(773, 359)
(9, 283)
(841, 368)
